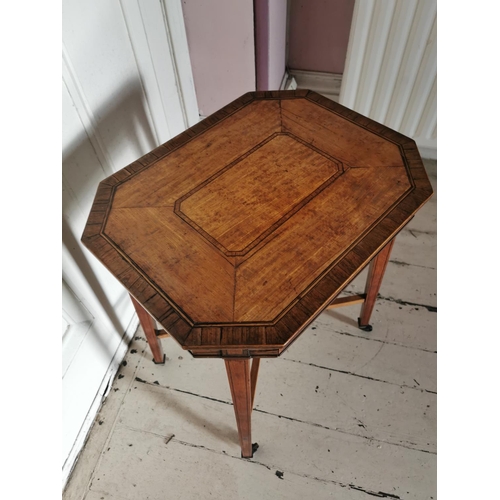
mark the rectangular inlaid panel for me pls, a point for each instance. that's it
(249, 199)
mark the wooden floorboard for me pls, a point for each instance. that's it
(285, 444)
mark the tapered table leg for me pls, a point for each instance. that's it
(148, 325)
(373, 282)
(254, 373)
(238, 373)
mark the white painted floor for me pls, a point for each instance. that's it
(343, 414)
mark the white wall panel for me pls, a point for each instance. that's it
(375, 47)
(360, 28)
(390, 72)
(166, 76)
(423, 88)
(392, 58)
(127, 87)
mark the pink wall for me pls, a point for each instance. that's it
(318, 34)
(221, 45)
(270, 43)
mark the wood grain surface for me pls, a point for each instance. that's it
(238, 232)
(247, 201)
(240, 383)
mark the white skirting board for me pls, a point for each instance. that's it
(327, 84)
(99, 399)
(288, 82)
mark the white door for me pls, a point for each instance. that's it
(127, 87)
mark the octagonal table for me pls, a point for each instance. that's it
(236, 234)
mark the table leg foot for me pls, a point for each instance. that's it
(161, 362)
(365, 328)
(255, 447)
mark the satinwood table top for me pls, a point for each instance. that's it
(238, 232)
